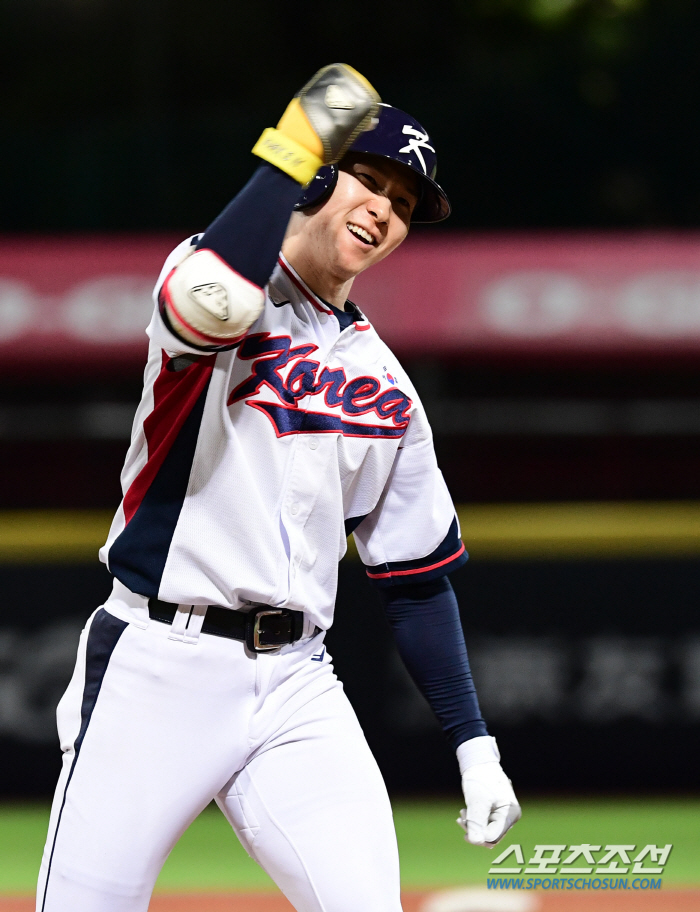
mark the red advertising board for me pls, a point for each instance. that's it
(85, 302)
(559, 294)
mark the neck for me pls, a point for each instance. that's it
(319, 280)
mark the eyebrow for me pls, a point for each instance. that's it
(414, 190)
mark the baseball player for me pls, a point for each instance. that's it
(273, 423)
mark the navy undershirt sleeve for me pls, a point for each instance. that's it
(249, 232)
(428, 632)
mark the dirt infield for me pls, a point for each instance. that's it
(506, 900)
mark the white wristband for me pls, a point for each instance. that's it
(477, 750)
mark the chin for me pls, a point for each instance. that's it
(353, 262)
(350, 267)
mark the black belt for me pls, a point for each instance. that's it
(261, 629)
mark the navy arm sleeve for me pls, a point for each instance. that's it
(249, 232)
(428, 633)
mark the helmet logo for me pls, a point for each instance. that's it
(420, 140)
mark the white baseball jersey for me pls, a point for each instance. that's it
(248, 467)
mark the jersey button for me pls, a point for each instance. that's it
(294, 509)
(313, 443)
(323, 318)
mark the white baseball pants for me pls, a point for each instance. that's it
(155, 725)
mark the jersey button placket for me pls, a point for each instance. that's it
(305, 477)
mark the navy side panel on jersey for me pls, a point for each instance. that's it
(448, 555)
(353, 522)
(153, 503)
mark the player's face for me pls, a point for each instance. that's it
(366, 217)
(370, 210)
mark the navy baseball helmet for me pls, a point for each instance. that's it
(399, 137)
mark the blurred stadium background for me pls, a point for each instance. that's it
(552, 327)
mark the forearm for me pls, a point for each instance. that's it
(428, 633)
(249, 232)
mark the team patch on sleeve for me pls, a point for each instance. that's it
(449, 555)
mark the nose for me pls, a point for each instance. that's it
(379, 207)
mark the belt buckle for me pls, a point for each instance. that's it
(256, 634)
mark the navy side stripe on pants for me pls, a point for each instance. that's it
(104, 634)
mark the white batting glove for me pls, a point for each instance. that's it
(492, 807)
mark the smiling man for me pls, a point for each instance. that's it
(365, 218)
(274, 422)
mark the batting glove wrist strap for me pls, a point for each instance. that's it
(477, 750)
(289, 156)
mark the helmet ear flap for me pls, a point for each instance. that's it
(319, 189)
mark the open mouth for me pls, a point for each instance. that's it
(361, 233)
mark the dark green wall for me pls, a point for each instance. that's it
(139, 114)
